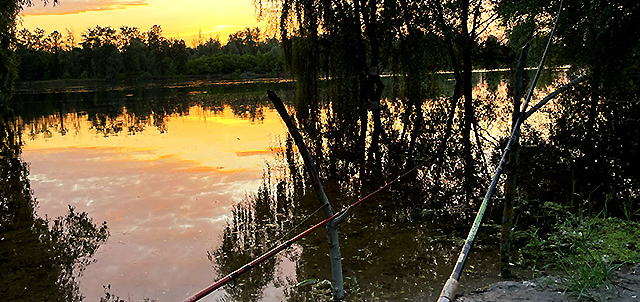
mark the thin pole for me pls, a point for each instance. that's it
(332, 228)
(541, 65)
(552, 95)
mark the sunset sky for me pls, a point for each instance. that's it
(181, 19)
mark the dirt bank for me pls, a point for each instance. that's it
(625, 287)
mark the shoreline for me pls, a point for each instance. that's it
(624, 287)
(83, 85)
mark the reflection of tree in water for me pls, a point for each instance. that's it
(384, 246)
(556, 154)
(397, 230)
(256, 224)
(112, 113)
(437, 146)
(249, 108)
(370, 239)
(40, 258)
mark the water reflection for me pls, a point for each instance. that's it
(401, 245)
(251, 232)
(390, 254)
(164, 168)
(170, 170)
(41, 258)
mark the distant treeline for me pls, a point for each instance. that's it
(105, 52)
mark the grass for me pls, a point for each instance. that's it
(588, 250)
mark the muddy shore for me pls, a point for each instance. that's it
(624, 287)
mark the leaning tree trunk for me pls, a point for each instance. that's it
(332, 227)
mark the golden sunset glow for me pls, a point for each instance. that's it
(166, 195)
(221, 138)
(179, 19)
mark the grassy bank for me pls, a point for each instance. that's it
(586, 250)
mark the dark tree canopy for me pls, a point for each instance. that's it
(128, 52)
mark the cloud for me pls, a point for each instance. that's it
(68, 7)
(266, 151)
(222, 27)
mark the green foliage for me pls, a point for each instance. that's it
(600, 36)
(8, 71)
(587, 124)
(244, 42)
(493, 54)
(630, 210)
(9, 10)
(16, 202)
(588, 250)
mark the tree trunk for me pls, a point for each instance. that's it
(457, 93)
(439, 157)
(413, 81)
(374, 84)
(467, 68)
(510, 186)
(362, 108)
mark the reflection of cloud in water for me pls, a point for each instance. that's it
(163, 215)
(42, 178)
(253, 152)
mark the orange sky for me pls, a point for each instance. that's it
(182, 18)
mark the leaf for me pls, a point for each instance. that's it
(307, 282)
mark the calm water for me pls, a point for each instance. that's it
(166, 197)
(164, 168)
(165, 191)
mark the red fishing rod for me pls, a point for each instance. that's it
(342, 214)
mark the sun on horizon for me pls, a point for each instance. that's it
(183, 20)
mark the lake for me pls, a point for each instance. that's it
(195, 179)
